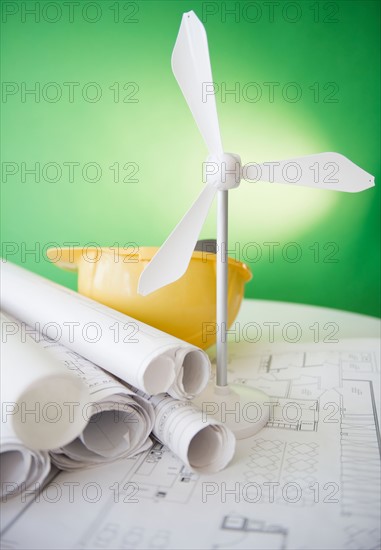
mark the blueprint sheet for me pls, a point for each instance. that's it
(309, 480)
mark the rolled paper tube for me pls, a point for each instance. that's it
(204, 445)
(40, 398)
(140, 355)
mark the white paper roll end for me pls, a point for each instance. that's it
(211, 449)
(193, 368)
(158, 376)
(51, 413)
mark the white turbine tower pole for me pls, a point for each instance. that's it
(222, 287)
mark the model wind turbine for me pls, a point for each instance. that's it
(223, 171)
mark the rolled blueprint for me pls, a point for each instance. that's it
(40, 398)
(20, 468)
(119, 422)
(205, 445)
(142, 356)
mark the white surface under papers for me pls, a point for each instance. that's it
(310, 480)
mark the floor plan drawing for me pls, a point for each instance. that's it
(176, 481)
(252, 534)
(316, 463)
(360, 449)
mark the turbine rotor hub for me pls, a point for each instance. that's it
(223, 171)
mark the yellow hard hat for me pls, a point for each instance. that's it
(185, 308)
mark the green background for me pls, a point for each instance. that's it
(314, 42)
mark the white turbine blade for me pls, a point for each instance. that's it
(324, 170)
(191, 67)
(172, 259)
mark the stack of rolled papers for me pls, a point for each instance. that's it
(119, 422)
(114, 422)
(154, 370)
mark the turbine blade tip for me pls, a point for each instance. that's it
(142, 287)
